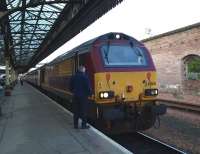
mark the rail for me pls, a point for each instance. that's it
(181, 105)
(139, 143)
(162, 143)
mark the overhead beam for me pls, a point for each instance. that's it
(22, 23)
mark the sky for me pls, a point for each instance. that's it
(135, 18)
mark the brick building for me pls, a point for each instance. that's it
(172, 51)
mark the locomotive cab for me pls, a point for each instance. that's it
(125, 71)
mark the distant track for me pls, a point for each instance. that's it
(181, 105)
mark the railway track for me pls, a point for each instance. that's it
(139, 143)
(181, 105)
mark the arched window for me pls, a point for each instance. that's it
(191, 67)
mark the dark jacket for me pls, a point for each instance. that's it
(80, 85)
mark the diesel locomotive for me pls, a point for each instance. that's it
(123, 79)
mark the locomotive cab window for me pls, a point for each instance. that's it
(117, 55)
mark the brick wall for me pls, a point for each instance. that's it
(168, 51)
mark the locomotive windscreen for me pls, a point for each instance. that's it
(123, 55)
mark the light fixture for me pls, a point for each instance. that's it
(117, 36)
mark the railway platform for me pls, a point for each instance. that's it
(32, 123)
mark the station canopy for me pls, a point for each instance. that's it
(32, 29)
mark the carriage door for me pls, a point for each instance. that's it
(38, 78)
(42, 76)
(75, 63)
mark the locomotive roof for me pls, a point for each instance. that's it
(85, 47)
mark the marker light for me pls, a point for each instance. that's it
(156, 91)
(151, 92)
(117, 36)
(101, 95)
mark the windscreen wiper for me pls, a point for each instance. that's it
(106, 52)
(106, 56)
(131, 44)
(138, 53)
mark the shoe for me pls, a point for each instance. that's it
(85, 127)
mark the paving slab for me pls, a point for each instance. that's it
(34, 124)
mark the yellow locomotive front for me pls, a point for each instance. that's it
(125, 84)
(112, 87)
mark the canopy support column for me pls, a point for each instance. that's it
(8, 86)
(13, 77)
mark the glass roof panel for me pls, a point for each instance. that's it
(58, 6)
(52, 8)
(15, 16)
(13, 3)
(29, 27)
(37, 8)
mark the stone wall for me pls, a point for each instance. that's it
(168, 51)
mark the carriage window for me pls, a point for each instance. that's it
(115, 55)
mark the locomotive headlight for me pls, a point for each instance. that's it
(151, 92)
(106, 94)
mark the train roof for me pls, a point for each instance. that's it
(85, 47)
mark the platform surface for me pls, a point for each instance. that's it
(33, 124)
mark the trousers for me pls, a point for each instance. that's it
(80, 109)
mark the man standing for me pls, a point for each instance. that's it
(81, 89)
(21, 81)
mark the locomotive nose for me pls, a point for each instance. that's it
(126, 86)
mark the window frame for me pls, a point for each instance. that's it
(124, 66)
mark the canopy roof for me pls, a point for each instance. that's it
(33, 29)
